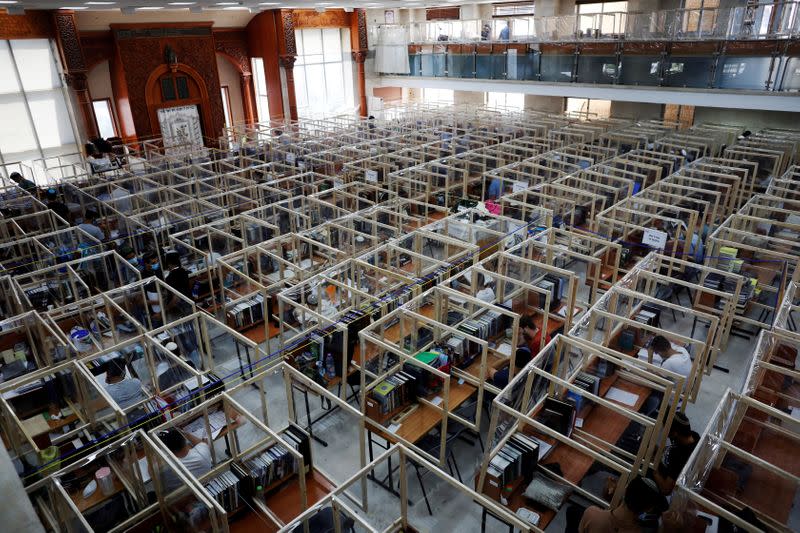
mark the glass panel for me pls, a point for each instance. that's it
(8, 81)
(312, 45)
(51, 118)
(335, 83)
(105, 120)
(316, 89)
(183, 87)
(167, 89)
(332, 43)
(300, 87)
(37, 68)
(16, 130)
(225, 108)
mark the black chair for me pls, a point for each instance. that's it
(323, 522)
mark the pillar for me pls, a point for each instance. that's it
(359, 47)
(287, 62)
(248, 99)
(69, 48)
(360, 57)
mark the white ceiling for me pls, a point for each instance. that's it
(254, 6)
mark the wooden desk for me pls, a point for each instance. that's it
(285, 503)
(84, 504)
(419, 423)
(603, 423)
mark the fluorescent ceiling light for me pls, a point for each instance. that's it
(100, 3)
(226, 4)
(149, 8)
(8, 2)
(75, 8)
(182, 3)
(236, 8)
(269, 3)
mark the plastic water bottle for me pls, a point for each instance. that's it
(329, 365)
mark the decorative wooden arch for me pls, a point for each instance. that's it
(198, 95)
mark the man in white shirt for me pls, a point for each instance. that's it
(673, 358)
(193, 453)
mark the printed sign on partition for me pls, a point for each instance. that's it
(654, 238)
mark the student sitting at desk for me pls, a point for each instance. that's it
(531, 335)
(641, 497)
(669, 356)
(24, 183)
(124, 391)
(194, 453)
(178, 278)
(89, 225)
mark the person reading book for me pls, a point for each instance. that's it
(670, 357)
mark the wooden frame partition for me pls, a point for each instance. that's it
(745, 433)
(552, 374)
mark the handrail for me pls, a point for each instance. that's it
(766, 21)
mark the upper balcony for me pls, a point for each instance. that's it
(743, 48)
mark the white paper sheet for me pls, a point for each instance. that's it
(618, 395)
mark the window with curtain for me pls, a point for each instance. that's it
(260, 86)
(36, 122)
(323, 72)
(506, 101)
(598, 16)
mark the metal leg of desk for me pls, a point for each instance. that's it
(390, 474)
(424, 492)
(310, 427)
(486, 513)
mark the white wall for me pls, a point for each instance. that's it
(228, 75)
(99, 80)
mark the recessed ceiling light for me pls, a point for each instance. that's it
(182, 3)
(149, 8)
(236, 8)
(75, 8)
(100, 3)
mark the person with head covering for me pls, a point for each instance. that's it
(641, 498)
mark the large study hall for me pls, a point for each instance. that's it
(399, 267)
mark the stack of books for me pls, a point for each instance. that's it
(247, 312)
(266, 468)
(391, 394)
(558, 415)
(648, 315)
(587, 382)
(727, 259)
(485, 326)
(517, 459)
(225, 489)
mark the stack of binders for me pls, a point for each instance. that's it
(518, 458)
(225, 489)
(247, 312)
(393, 393)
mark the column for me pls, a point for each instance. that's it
(69, 48)
(359, 57)
(287, 62)
(248, 99)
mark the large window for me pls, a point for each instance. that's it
(699, 15)
(104, 116)
(36, 121)
(607, 17)
(512, 9)
(437, 96)
(506, 101)
(589, 108)
(323, 73)
(260, 86)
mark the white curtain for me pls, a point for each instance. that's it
(391, 52)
